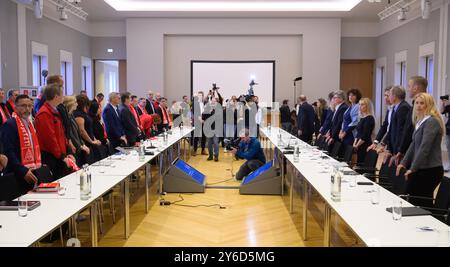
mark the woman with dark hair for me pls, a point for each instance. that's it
(85, 124)
(351, 118)
(99, 132)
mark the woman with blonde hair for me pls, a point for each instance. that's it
(81, 151)
(423, 160)
(364, 129)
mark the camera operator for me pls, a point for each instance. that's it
(445, 110)
(249, 149)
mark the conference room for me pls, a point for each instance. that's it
(224, 124)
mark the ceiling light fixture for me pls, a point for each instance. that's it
(71, 6)
(193, 6)
(401, 6)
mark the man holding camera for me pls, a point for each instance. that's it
(445, 110)
(249, 149)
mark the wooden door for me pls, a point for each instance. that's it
(358, 74)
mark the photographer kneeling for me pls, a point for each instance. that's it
(249, 149)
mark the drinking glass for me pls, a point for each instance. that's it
(62, 188)
(397, 209)
(23, 207)
(375, 196)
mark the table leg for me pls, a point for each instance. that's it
(93, 214)
(291, 194)
(305, 209)
(126, 208)
(148, 179)
(327, 226)
(161, 158)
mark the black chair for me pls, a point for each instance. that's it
(9, 188)
(441, 207)
(369, 165)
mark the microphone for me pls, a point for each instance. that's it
(298, 79)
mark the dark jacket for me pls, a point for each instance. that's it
(399, 124)
(305, 119)
(407, 133)
(285, 114)
(336, 122)
(326, 124)
(151, 107)
(129, 124)
(113, 123)
(383, 129)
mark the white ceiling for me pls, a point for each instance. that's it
(100, 11)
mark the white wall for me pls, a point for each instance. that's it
(180, 50)
(320, 48)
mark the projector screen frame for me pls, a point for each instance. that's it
(235, 61)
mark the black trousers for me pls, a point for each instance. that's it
(248, 167)
(362, 152)
(423, 183)
(58, 167)
(203, 141)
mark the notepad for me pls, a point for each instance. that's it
(412, 211)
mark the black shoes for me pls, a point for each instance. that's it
(210, 158)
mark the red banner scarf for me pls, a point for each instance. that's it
(3, 114)
(166, 118)
(136, 117)
(12, 105)
(29, 158)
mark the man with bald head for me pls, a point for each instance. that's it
(305, 120)
(151, 105)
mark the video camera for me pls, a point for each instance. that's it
(231, 144)
(445, 97)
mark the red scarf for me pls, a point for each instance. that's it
(28, 158)
(12, 105)
(104, 130)
(3, 115)
(136, 117)
(166, 118)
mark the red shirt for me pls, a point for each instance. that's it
(50, 131)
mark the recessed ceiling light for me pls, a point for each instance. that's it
(305, 5)
(110, 50)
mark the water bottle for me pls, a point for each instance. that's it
(165, 137)
(296, 154)
(141, 152)
(84, 184)
(280, 141)
(336, 179)
(269, 128)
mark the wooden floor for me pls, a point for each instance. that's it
(247, 221)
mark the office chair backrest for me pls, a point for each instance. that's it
(399, 182)
(443, 194)
(9, 188)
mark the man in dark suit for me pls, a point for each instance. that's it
(151, 106)
(22, 148)
(305, 120)
(12, 94)
(400, 109)
(113, 124)
(338, 116)
(129, 123)
(416, 85)
(4, 112)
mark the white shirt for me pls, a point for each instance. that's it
(419, 123)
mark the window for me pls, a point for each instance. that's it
(426, 65)
(64, 76)
(66, 71)
(403, 74)
(86, 76)
(106, 76)
(39, 53)
(400, 68)
(113, 82)
(39, 64)
(380, 85)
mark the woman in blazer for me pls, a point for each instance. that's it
(423, 160)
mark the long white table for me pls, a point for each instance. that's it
(371, 223)
(55, 210)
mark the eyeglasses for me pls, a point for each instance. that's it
(25, 106)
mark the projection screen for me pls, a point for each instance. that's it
(234, 77)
